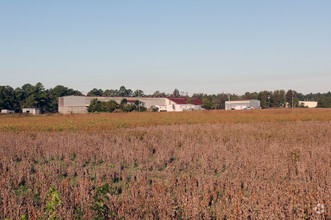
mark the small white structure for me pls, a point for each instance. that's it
(180, 104)
(309, 104)
(6, 111)
(34, 111)
(178, 107)
(242, 104)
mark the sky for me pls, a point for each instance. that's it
(211, 46)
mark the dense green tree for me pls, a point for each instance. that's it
(54, 94)
(291, 98)
(324, 102)
(207, 103)
(124, 101)
(122, 91)
(59, 91)
(247, 96)
(222, 99)
(278, 98)
(8, 99)
(111, 92)
(234, 97)
(125, 92)
(159, 94)
(95, 106)
(175, 93)
(212, 101)
(138, 93)
(265, 99)
(98, 106)
(35, 97)
(128, 108)
(23, 92)
(95, 92)
(110, 106)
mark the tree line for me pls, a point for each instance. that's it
(268, 99)
(36, 96)
(33, 96)
(113, 106)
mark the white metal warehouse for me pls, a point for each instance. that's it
(242, 104)
(79, 104)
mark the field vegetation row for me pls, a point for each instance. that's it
(106, 121)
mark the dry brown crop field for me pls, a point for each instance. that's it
(105, 121)
(262, 164)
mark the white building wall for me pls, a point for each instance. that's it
(79, 104)
(309, 104)
(34, 111)
(6, 111)
(178, 107)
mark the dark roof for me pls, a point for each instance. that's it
(185, 101)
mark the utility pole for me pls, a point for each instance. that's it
(292, 99)
(229, 96)
(139, 100)
(268, 101)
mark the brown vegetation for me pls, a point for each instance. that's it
(106, 121)
(265, 168)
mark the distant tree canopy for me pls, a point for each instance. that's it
(268, 99)
(98, 106)
(159, 94)
(8, 98)
(29, 96)
(325, 101)
(175, 93)
(95, 92)
(55, 93)
(111, 106)
(207, 102)
(138, 93)
(36, 96)
(122, 91)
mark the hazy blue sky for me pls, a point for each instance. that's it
(195, 46)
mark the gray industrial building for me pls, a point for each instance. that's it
(79, 104)
(242, 104)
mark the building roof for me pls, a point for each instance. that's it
(243, 100)
(309, 101)
(180, 101)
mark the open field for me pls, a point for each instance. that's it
(105, 121)
(262, 164)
